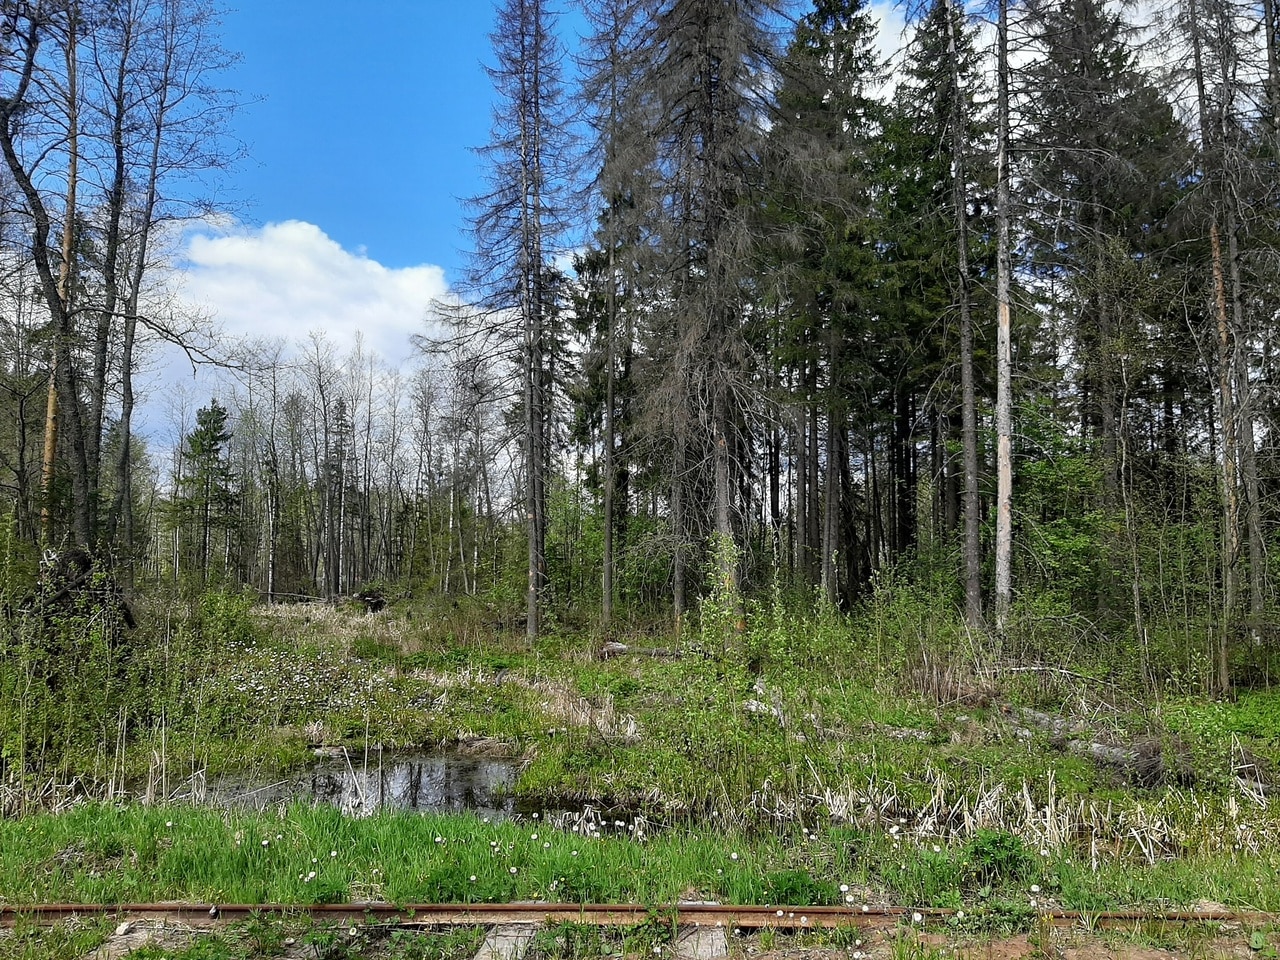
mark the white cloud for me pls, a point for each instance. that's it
(288, 279)
(891, 29)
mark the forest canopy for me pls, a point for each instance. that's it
(732, 327)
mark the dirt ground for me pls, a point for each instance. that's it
(1227, 943)
(1059, 945)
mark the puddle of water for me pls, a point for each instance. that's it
(360, 786)
(401, 781)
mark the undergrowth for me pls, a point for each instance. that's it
(881, 755)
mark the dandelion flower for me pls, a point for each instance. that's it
(917, 917)
(733, 856)
(514, 871)
(266, 843)
(332, 854)
(473, 878)
(168, 823)
(1035, 888)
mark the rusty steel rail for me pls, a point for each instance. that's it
(738, 917)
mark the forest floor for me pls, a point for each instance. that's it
(815, 760)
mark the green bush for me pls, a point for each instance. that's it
(224, 619)
(997, 856)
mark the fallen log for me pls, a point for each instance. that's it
(1148, 762)
(615, 649)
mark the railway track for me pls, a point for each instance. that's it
(682, 915)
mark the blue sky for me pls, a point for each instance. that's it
(364, 119)
(346, 216)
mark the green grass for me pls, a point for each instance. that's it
(805, 749)
(103, 853)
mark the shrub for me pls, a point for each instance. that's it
(997, 856)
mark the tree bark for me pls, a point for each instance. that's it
(972, 545)
(1004, 352)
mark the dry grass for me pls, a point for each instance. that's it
(1175, 823)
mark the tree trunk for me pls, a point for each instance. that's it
(1004, 351)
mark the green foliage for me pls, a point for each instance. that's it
(996, 856)
(912, 634)
(569, 941)
(224, 619)
(71, 679)
(203, 513)
(720, 613)
(799, 888)
(71, 940)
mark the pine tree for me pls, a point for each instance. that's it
(820, 172)
(706, 70)
(939, 176)
(518, 228)
(206, 496)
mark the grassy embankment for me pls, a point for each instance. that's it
(817, 760)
